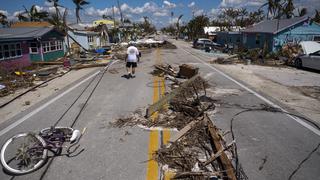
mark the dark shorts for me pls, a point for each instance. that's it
(131, 64)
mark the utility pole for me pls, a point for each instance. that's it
(121, 17)
(113, 18)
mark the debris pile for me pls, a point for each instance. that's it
(198, 150)
(10, 82)
(170, 72)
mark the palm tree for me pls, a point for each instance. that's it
(56, 6)
(3, 19)
(274, 7)
(196, 25)
(22, 17)
(288, 8)
(60, 23)
(79, 4)
(33, 14)
(242, 12)
(178, 25)
(302, 12)
(317, 16)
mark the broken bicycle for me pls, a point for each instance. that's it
(27, 152)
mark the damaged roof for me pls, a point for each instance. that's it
(23, 33)
(274, 26)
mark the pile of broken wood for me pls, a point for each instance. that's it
(198, 150)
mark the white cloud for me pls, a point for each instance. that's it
(161, 14)
(148, 7)
(168, 4)
(241, 3)
(192, 4)
(199, 12)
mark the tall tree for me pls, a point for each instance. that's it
(33, 14)
(255, 17)
(56, 5)
(316, 17)
(3, 19)
(302, 12)
(274, 8)
(79, 5)
(288, 9)
(196, 25)
(178, 25)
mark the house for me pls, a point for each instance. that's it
(22, 45)
(229, 38)
(108, 23)
(83, 37)
(271, 35)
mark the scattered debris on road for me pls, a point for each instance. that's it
(198, 150)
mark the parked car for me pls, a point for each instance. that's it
(203, 43)
(310, 55)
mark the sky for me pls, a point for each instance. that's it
(158, 11)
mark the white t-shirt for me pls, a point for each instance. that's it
(132, 54)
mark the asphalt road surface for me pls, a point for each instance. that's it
(270, 145)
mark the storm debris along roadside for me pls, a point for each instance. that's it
(198, 150)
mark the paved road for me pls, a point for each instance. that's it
(110, 153)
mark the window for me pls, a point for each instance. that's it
(51, 46)
(258, 39)
(90, 39)
(33, 49)
(9, 51)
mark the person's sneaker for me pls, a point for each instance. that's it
(129, 75)
(133, 76)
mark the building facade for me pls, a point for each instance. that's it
(21, 46)
(271, 35)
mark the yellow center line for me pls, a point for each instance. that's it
(158, 91)
(152, 166)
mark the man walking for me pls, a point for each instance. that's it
(132, 58)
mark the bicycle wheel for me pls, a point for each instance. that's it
(23, 154)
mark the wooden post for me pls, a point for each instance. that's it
(226, 163)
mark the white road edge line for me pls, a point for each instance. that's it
(16, 123)
(298, 120)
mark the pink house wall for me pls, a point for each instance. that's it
(20, 62)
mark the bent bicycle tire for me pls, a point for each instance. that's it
(29, 153)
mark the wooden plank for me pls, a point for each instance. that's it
(188, 174)
(226, 163)
(218, 154)
(81, 66)
(166, 99)
(183, 131)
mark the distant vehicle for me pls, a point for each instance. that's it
(310, 56)
(203, 43)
